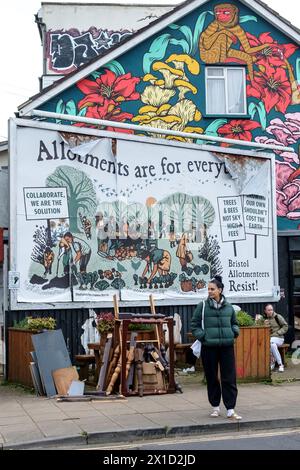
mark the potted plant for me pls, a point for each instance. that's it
(20, 346)
(145, 331)
(252, 348)
(105, 322)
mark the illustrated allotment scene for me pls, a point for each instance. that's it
(92, 222)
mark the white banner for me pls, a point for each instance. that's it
(135, 218)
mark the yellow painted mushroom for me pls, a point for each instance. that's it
(179, 59)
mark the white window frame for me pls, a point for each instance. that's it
(225, 78)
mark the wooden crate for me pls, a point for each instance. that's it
(19, 347)
(252, 353)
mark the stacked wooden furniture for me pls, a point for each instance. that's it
(133, 366)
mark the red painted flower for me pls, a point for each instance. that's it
(238, 129)
(274, 89)
(107, 111)
(108, 87)
(274, 54)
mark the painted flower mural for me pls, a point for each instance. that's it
(108, 87)
(287, 192)
(284, 132)
(272, 88)
(104, 95)
(161, 84)
(238, 129)
(274, 54)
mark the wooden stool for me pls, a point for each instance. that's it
(283, 350)
(83, 361)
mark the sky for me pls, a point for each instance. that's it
(21, 51)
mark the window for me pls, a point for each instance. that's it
(226, 91)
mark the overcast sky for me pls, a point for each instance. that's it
(21, 51)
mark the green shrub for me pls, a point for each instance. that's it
(244, 319)
(36, 323)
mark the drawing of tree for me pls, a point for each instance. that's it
(210, 252)
(80, 191)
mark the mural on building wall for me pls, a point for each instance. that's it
(165, 87)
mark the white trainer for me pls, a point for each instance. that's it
(215, 413)
(281, 368)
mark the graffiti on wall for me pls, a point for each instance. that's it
(69, 50)
(165, 88)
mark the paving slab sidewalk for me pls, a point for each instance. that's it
(27, 421)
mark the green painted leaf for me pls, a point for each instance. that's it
(198, 29)
(181, 42)
(82, 112)
(156, 52)
(212, 129)
(260, 109)
(95, 75)
(60, 107)
(121, 268)
(245, 18)
(71, 107)
(298, 70)
(115, 67)
(186, 31)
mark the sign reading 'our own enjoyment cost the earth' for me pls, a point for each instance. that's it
(46, 203)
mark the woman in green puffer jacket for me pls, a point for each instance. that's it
(217, 338)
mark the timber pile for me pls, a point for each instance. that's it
(133, 366)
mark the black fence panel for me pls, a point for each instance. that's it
(71, 320)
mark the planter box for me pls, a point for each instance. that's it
(19, 348)
(142, 335)
(252, 353)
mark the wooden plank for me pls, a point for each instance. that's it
(116, 306)
(261, 353)
(247, 352)
(254, 353)
(268, 352)
(63, 378)
(239, 355)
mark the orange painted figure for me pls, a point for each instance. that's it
(48, 260)
(216, 40)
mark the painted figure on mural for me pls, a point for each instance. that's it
(86, 225)
(74, 250)
(183, 253)
(217, 39)
(157, 260)
(48, 259)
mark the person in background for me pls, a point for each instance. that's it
(278, 327)
(217, 338)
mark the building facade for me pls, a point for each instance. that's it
(222, 69)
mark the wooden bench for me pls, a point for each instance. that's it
(283, 350)
(83, 361)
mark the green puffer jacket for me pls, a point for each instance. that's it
(220, 325)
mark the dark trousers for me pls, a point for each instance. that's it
(212, 357)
